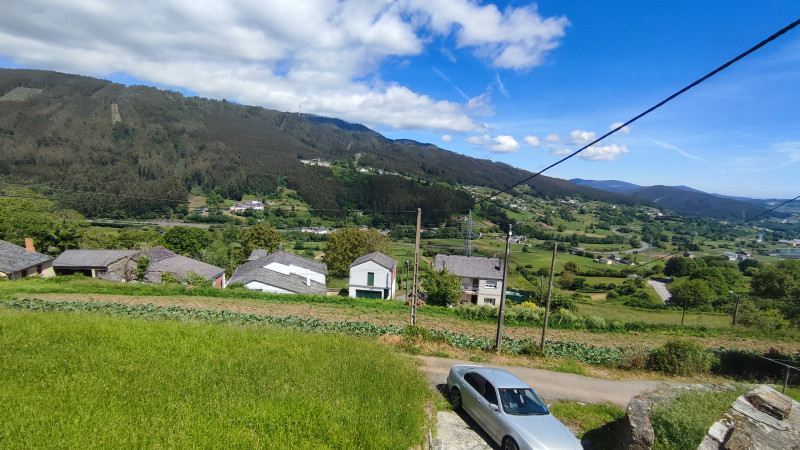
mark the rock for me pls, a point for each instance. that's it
(760, 419)
(771, 402)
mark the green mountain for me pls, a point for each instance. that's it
(110, 150)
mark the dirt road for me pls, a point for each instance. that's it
(553, 386)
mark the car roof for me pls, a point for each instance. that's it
(500, 378)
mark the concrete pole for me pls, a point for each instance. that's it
(416, 271)
(502, 314)
(549, 294)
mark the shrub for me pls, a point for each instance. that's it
(531, 349)
(167, 278)
(680, 357)
(196, 280)
(634, 358)
(594, 323)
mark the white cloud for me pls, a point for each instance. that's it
(790, 149)
(681, 152)
(562, 152)
(447, 138)
(504, 144)
(552, 138)
(499, 144)
(478, 140)
(533, 141)
(616, 125)
(323, 54)
(603, 153)
(580, 138)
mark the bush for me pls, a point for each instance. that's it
(680, 357)
(634, 358)
(594, 323)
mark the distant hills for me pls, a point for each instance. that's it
(685, 200)
(112, 150)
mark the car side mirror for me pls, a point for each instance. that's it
(494, 407)
(548, 406)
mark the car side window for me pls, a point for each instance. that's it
(475, 380)
(489, 393)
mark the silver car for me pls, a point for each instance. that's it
(507, 409)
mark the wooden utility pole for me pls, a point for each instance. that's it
(502, 314)
(416, 271)
(549, 294)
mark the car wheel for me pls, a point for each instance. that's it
(455, 398)
(510, 444)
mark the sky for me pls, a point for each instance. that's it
(525, 83)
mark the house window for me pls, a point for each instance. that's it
(491, 284)
(488, 301)
(370, 278)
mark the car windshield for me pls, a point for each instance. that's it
(522, 402)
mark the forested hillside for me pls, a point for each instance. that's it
(105, 149)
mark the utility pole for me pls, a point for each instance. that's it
(549, 294)
(685, 303)
(416, 271)
(407, 263)
(502, 314)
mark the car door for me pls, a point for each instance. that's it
(471, 394)
(490, 411)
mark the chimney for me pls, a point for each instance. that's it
(29, 245)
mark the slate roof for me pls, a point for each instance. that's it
(470, 266)
(258, 254)
(165, 260)
(255, 271)
(14, 258)
(378, 258)
(90, 259)
(285, 258)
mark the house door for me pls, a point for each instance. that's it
(360, 293)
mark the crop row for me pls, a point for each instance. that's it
(581, 352)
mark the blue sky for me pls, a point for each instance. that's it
(517, 82)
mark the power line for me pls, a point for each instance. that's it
(653, 108)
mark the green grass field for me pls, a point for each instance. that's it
(89, 380)
(625, 314)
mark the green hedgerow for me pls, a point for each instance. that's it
(680, 357)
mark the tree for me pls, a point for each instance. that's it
(141, 267)
(345, 246)
(441, 287)
(679, 267)
(189, 241)
(779, 281)
(571, 266)
(26, 214)
(262, 235)
(695, 293)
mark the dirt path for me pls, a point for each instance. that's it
(553, 386)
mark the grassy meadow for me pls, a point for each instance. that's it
(90, 380)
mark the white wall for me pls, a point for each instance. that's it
(383, 278)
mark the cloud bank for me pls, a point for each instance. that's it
(322, 54)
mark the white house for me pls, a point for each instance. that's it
(373, 276)
(481, 278)
(283, 273)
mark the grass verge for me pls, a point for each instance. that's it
(89, 380)
(683, 423)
